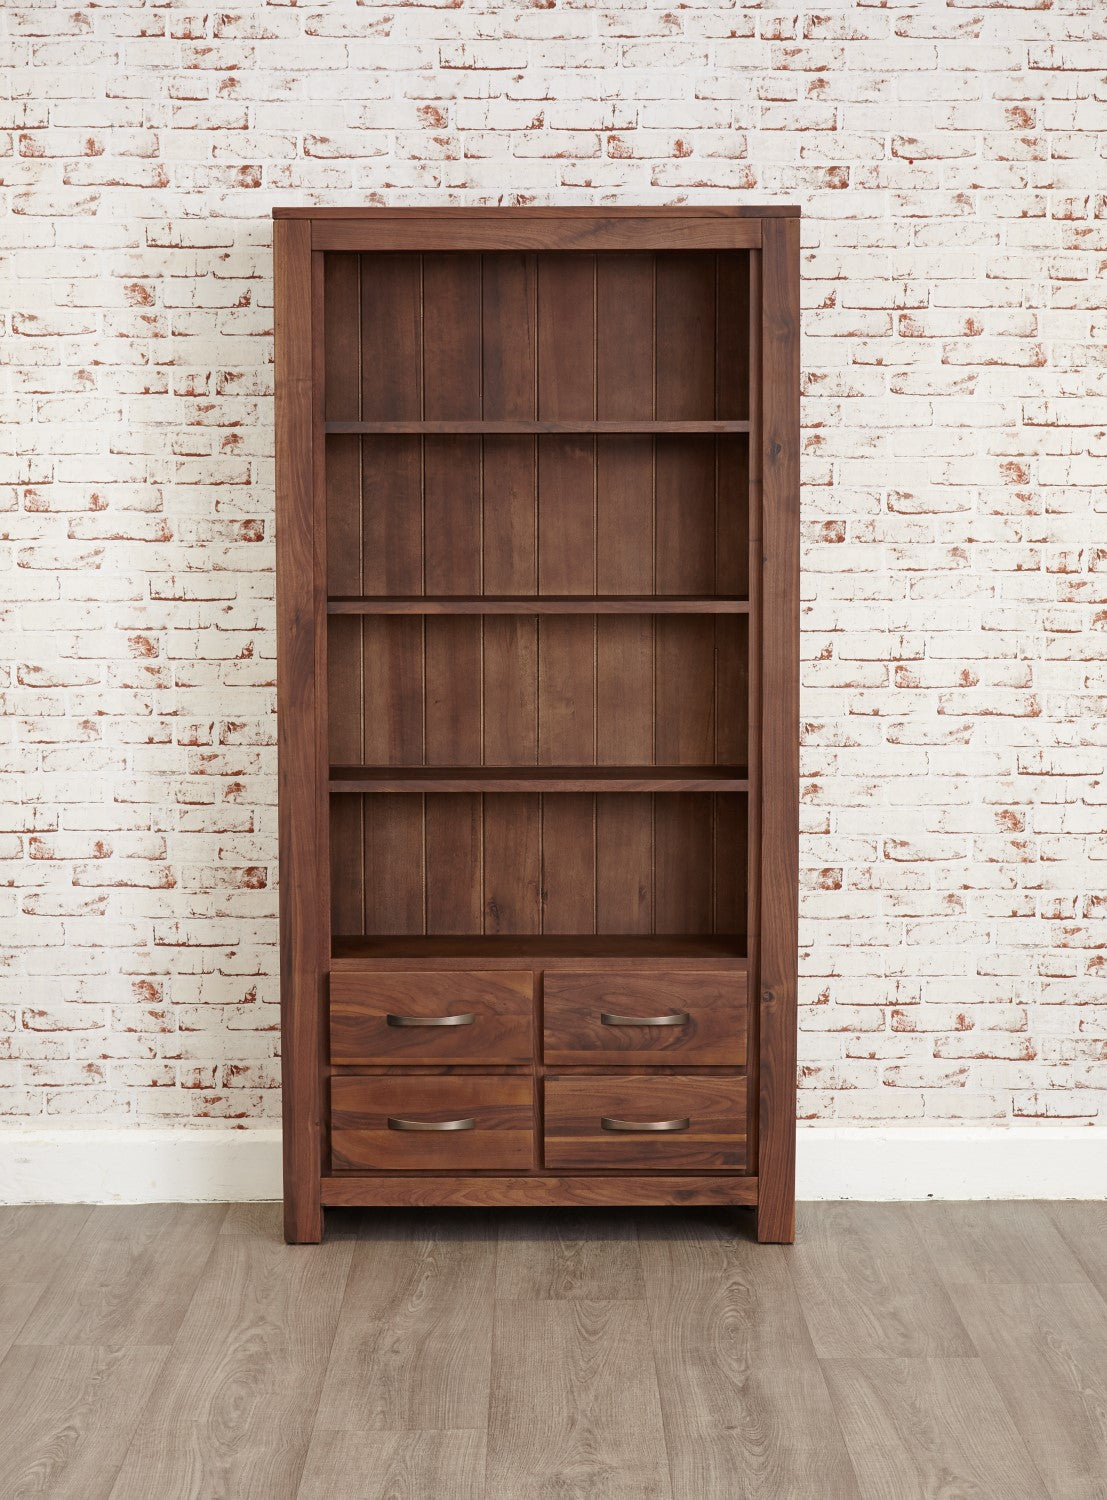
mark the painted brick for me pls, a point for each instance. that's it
(955, 400)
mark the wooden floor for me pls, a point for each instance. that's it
(930, 1350)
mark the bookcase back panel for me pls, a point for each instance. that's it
(566, 514)
(536, 336)
(516, 690)
(530, 863)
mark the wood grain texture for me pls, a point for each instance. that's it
(553, 1256)
(414, 1341)
(778, 443)
(574, 1406)
(69, 1411)
(233, 1411)
(714, 1140)
(743, 1397)
(602, 1352)
(1014, 1244)
(501, 1139)
(128, 1277)
(539, 1191)
(645, 232)
(394, 1466)
(1084, 1227)
(917, 1428)
(501, 1003)
(574, 1003)
(1045, 1347)
(869, 1288)
(302, 943)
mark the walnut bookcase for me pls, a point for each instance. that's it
(537, 593)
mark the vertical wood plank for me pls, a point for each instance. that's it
(685, 690)
(624, 388)
(302, 942)
(779, 728)
(512, 863)
(566, 389)
(683, 862)
(568, 863)
(624, 863)
(391, 388)
(454, 843)
(342, 364)
(510, 691)
(452, 389)
(395, 871)
(342, 395)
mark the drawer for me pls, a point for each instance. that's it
(605, 1122)
(398, 1016)
(627, 1017)
(396, 1124)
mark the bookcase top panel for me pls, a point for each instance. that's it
(569, 211)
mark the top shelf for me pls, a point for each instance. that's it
(574, 426)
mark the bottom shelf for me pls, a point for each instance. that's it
(352, 952)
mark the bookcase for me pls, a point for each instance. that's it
(537, 593)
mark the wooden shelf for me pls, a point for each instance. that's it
(538, 779)
(582, 426)
(353, 952)
(537, 604)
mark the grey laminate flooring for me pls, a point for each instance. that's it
(940, 1351)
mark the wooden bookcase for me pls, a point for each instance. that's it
(537, 591)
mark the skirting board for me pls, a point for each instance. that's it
(840, 1162)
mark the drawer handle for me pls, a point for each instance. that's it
(607, 1123)
(465, 1019)
(680, 1018)
(395, 1123)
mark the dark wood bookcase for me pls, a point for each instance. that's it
(537, 593)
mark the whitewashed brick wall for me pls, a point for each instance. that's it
(949, 160)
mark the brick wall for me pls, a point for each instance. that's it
(949, 161)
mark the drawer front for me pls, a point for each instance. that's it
(655, 1017)
(602, 1122)
(388, 1124)
(402, 1016)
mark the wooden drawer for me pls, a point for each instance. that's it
(586, 1120)
(622, 1017)
(369, 1009)
(372, 1120)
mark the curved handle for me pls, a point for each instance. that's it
(680, 1018)
(607, 1123)
(465, 1019)
(395, 1123)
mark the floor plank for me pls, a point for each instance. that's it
(394, 1466)
(1046, 1350)
(1012, 1243)
(867, 1286)
(918, 1429)
(414, 1342)
(1084, 1229)
(563, 1253)
(575, 1409)
(129, 1276)
(68, 1414)
(742, 1392)
(35, 1239)
(232, 1416)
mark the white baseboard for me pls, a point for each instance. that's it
(157, 1165)
(850, 1161)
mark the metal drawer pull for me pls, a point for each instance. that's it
(681, 1018)
(607, 1123)
(466, 1019)
(395, 1123)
